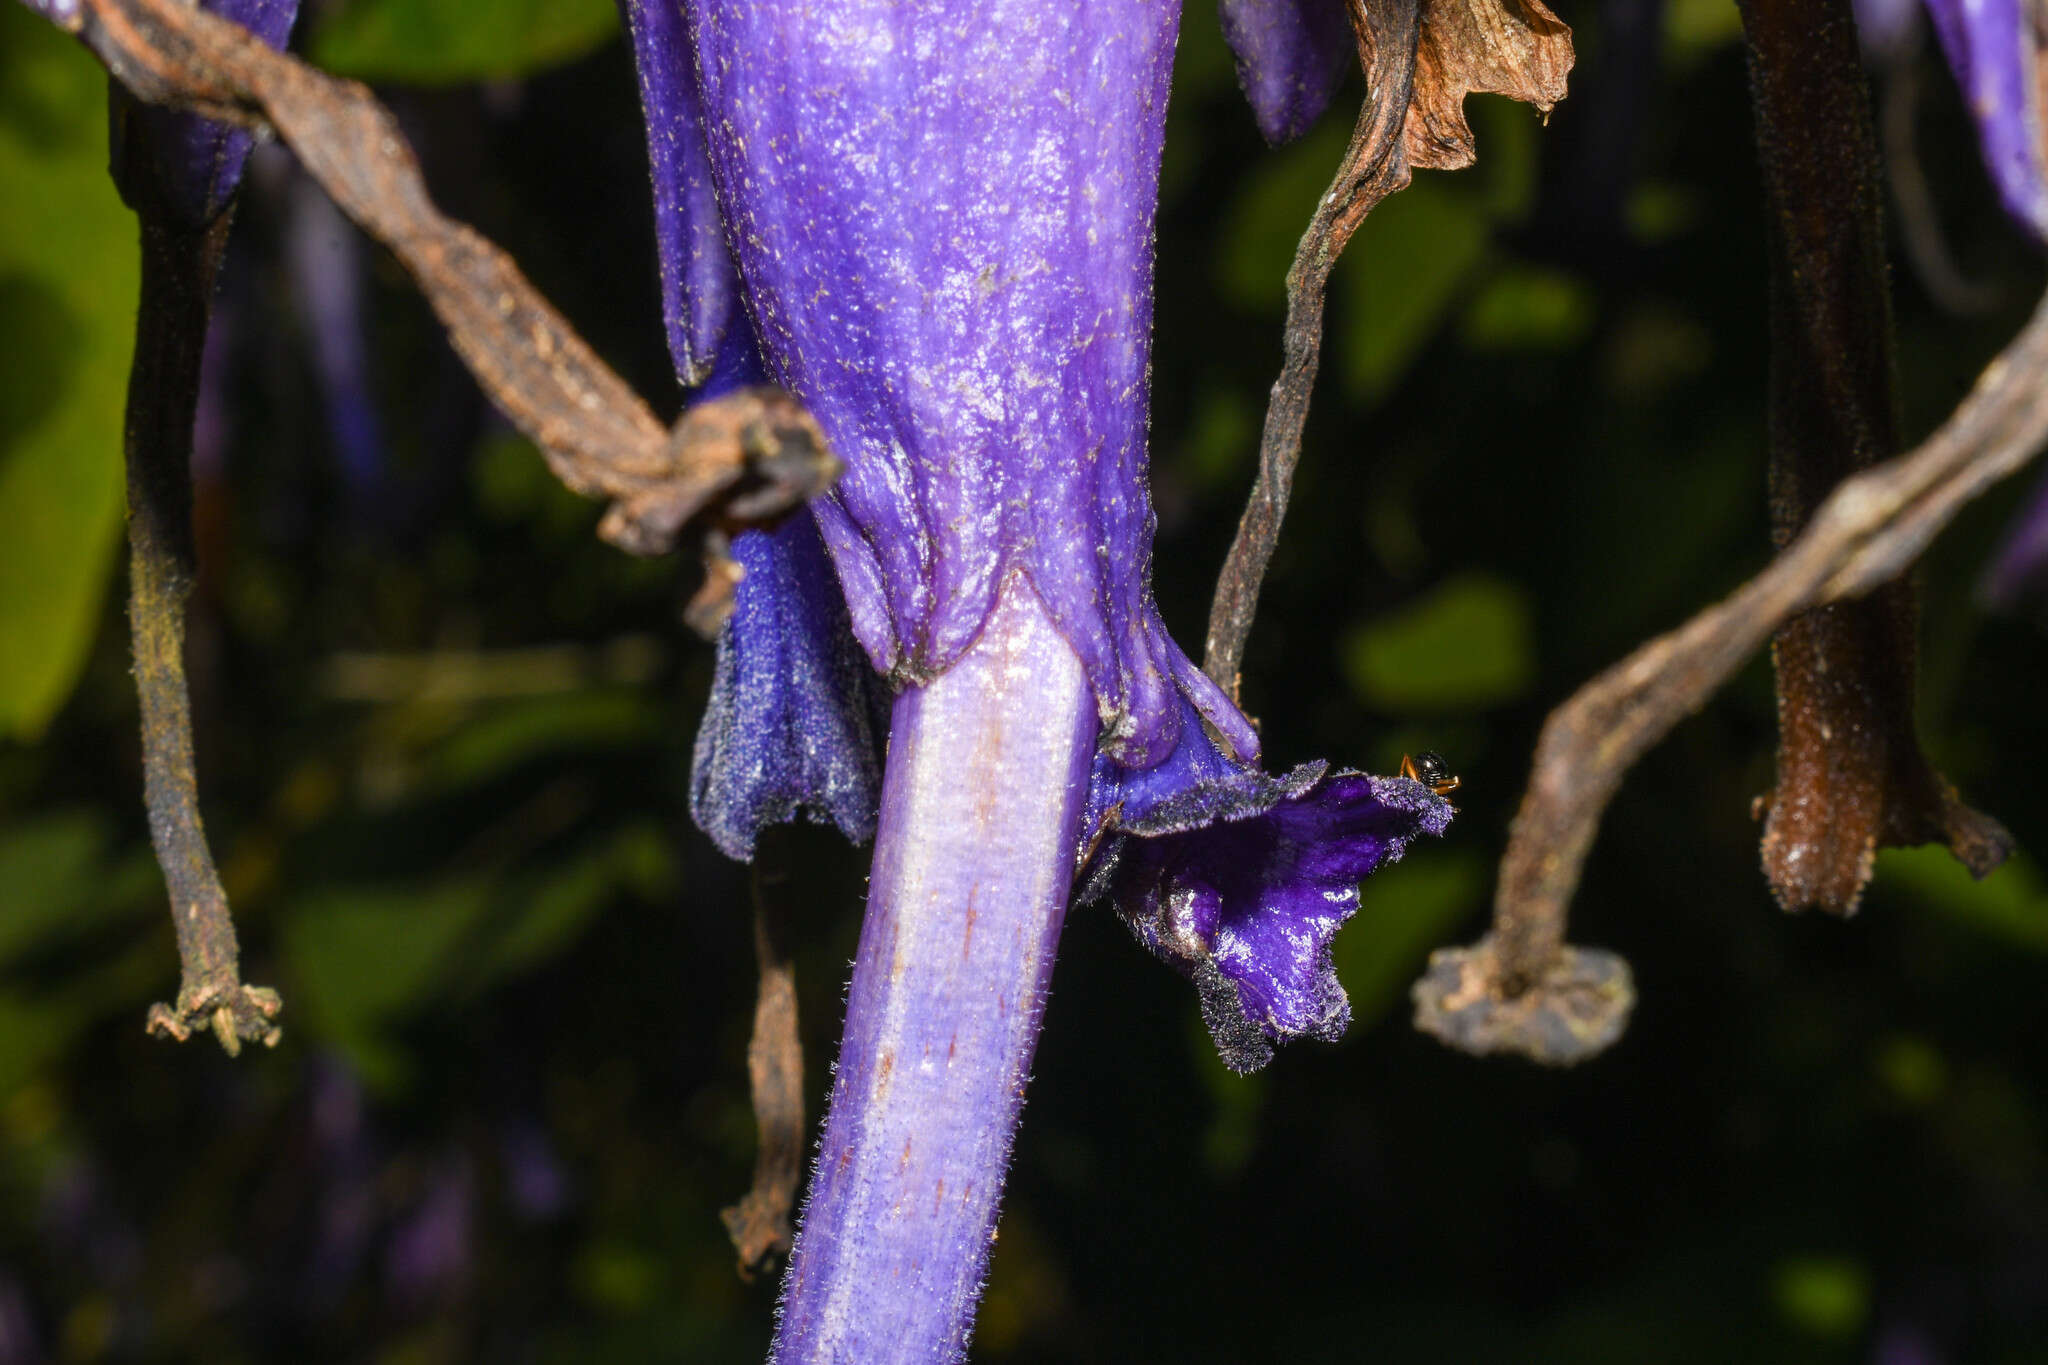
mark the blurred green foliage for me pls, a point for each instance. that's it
(67, 291)
(446, 42)
(444, 739)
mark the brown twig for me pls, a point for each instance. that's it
(1851, 774)
(1421, 58)
(744, 459)
(178, 271)
(1521, 989)
(1375, 165)
(759, 1223)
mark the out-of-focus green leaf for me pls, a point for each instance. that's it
(512, 733)
(1399, 277)
(1404, 911)
(365, 959)
(1468, 644)
(1265, 225)
(58, 879)
(562, 904)
(2011, 903)
(445, 42)
(67, 281)
(1696, 29)
(1825, 1295)
(1526, 308)
(32, 1031)
(361, 958)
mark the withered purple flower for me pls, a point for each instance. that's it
(941, 219)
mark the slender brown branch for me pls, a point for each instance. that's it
(1521, 989)
(1851, 774)
(178, 272)
(1375, 165)
(744, 459)
(759, 1223)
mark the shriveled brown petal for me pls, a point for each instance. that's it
(1516, 48)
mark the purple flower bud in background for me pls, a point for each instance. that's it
(429, 1256)
(19, 1343)
(1994, 48)
(1291, 57)
(2019, 571)
(1889, 30)
(180, 167)
(325, 253)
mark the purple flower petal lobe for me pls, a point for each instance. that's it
(1993, 47)
(790, 726)
(1239, 880)
(699, 292)
(1291, 57)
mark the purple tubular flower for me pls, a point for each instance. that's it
(1239, 881)
(942, 214)
(1291, 57)
(182, 167)
(699, 292)
(1994, 48)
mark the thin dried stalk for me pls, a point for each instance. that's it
(744, 459)
(1421, 58)
(1521, 988)
(759, 1223)
(1375, 165)
(1851, 774)
(178, 272)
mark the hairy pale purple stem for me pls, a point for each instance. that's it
(981, 803)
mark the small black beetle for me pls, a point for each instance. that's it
(1429, 768)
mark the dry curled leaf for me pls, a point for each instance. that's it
(1516, 48)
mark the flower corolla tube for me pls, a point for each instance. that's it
(932, 221)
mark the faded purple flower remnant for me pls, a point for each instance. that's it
(1291, 57)
(1994, 47)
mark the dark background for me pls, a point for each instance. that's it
(444, 739)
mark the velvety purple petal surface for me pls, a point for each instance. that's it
(180, 166)
(1994, 49)
(699, 292)
(942, 213)
(2019, 570)
(789, 729)
(1240, 880)
(1291, 57)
